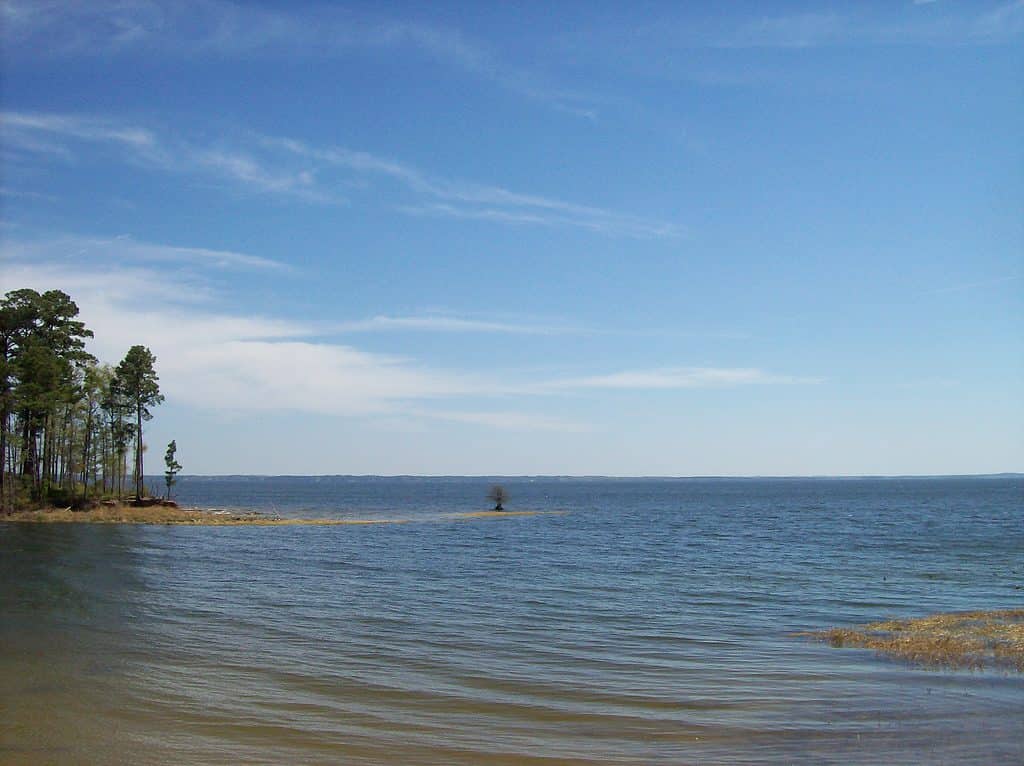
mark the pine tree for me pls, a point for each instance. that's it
(138, 379)
(42, 351)
(172, 466)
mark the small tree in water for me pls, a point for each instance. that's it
(173, 467)
(498, 496)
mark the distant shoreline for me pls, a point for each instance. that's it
(590, 477)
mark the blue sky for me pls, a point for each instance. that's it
(575, 238)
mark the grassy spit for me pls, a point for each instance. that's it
(971, 640)
(158, 514)
(124, 513)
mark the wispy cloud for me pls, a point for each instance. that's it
(284, 166)
(217, 28)
(463, 199)
(1000, 24)
(676, 378)
(68, 126)
(449, 324)
(850, 25)
(127, 251)
(1004, 22)
(602, 222)
(83, 138)
(511, 421)
(215, 360)
(252, 173)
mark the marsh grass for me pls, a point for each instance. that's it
(955, 640)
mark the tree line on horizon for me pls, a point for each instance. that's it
(69, 423)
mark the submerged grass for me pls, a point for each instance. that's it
(956, 640)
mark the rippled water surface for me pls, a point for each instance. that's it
(649, 623)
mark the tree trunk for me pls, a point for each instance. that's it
(138, 453)
(5, 420)
(30, 456)
(86, 443)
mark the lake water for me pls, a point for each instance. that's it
(649, 623)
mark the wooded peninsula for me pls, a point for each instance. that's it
(69, 423)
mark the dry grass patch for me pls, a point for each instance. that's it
(971, 640)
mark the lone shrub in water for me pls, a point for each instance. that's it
(498, 496)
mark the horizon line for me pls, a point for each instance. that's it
(994, 474)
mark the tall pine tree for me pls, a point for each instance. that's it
(138, 380)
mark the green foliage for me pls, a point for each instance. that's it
(137, 379)
(499, 496)
(42, 353)
(66, 420)
(172, 466)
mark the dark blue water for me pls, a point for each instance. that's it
(651, 622)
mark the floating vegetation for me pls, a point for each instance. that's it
(956, 640)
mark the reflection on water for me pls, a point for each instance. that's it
(649, 624)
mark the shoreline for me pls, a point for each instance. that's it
(125, 513)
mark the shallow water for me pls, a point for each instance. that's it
(651, 623)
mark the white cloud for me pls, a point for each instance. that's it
(17, 124)
(214, 360)
(218, 361)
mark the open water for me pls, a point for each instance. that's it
(651, 623)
